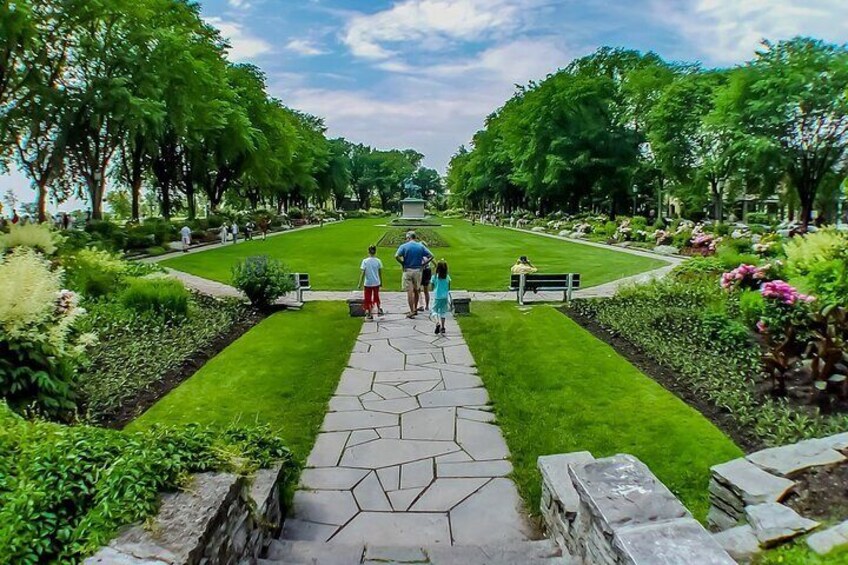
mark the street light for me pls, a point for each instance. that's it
(635, 191)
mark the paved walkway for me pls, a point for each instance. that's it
(408, 454)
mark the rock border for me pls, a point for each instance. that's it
(220, 518)
(746, 495)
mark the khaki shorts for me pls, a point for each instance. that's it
(412, 279)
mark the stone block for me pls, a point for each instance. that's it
(774, 523)
(789, 460)
(739, 542)
(355, 305)
(669, 543)
(461, 302)
(554, 470)
(827, 540)
(621, 490)
(751, 483)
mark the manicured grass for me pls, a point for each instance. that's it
(557, 389)
(479, 256)
(281, 373)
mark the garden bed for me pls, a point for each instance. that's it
(396, 237)
(821, 493)
(670, 380)
(142, 358)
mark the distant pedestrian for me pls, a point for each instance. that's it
(372, 279)
(441, 296)
(264, 226)
(66, 221)
(235, 232)
(249, 228)
(15, 218)
(413, 257)
(185, 236)
(223, 232)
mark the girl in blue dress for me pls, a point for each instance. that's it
(441, 295)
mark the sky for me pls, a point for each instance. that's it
(424, 74)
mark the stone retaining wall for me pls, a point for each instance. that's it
(218, 519)
(614, 511)
(746, 496)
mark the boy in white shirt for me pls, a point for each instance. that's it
(372, 276)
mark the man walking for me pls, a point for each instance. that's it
(413, 256)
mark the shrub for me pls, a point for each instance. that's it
(35, 236)
(295, 213)
(262, 280)
(156, 293)
(39, 349)
(66, 490)
(758, 218)
(94, 273)
(111, 234)
(804, 252)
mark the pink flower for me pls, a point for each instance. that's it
(784, 292)
(762, 327)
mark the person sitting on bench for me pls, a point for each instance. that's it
(523, 266)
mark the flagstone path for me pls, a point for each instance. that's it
(409, 453)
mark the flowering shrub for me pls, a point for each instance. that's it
(39, 348)
(744, 277)
(803, 253)
(784, 292)
(35, 236)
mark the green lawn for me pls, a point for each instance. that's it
(558, 389)
(281, 373)
(479, 256)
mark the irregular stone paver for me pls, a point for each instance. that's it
(773, 523)
(826, 541)
(788, 460)
(408, 455)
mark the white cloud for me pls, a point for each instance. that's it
(431, 109)
(305, 47)
(729, 31)
(239, 4)
(431, 24)
(244, 45)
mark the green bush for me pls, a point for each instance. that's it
(94, 273)
(758, 218)
(66, 490)
(295, 213)
(156, 293)
(262, 280)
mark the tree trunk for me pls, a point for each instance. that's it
(42, 200)
(136, 198)
(96, 188)
(191, 199)
(166, 200)
(718, 204)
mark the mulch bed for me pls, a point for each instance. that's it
(821, 493)
(172, 379)
(670, 380)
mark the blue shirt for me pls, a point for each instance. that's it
(441, 287)
(413, 254)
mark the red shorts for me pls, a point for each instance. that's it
(372, 297)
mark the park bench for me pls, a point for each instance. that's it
(565, 282)
(301, 283)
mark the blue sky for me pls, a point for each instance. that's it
(425, 73)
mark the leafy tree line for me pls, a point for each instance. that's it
(100, 93)
(619, 126)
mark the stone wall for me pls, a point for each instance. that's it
(218, 519)
(746, 495)
(614, 511)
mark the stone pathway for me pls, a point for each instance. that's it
(408, 454)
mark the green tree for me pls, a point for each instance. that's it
(792, 101)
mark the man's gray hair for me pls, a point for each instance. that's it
(411, 235)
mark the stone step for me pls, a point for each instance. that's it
(542, 552)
